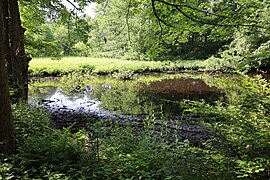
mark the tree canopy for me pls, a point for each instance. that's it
(151, 29)
(187, 30)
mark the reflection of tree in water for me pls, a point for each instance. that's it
(140, 98)
(38, 94)
(133, 97)
(187, 86)
(120, 96)
(165, 94)
(42, 92)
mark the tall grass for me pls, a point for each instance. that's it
(46, 66)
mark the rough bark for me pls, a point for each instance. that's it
(7, 140)
(18, 61)
(6, 24)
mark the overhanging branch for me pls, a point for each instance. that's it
(156, 15)
(179, 7)
(74, 5)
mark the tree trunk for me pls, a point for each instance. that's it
(7, 140)
(18, 59)
(6, 24)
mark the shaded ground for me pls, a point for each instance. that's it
(181, 127)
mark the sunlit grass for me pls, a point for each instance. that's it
(46, 66)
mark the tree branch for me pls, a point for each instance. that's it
(193, 8)
(156, 15)
(127, 23)
(179, 6)
(74, 6)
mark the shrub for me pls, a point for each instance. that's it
(29, 121)
(242, 125)
(61, 153)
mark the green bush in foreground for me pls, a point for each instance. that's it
(29, 122)
(240, 150)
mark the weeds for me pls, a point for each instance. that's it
(240, 148)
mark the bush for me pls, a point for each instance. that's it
(242, 125)
(29, 122)
(61, 153)
(44, 152)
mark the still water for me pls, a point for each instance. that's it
(104, 96)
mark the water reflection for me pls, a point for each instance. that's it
(182, 86)
(168, 92)
(55, 99)
(125, 97)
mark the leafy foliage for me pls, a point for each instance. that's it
(52, 29)
(65, 152)
(131, 30)
(250, 48)
(239, 149)
(234, 34)
(45, 152)
(243, 124)
(29, 122)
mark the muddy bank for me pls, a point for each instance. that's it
(181, 127)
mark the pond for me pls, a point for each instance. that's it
(104, 96)
(80, 100)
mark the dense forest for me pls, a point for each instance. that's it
(125, 39)
(232, 33)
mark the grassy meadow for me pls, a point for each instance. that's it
(47, 66)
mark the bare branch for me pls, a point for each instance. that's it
(74, 6)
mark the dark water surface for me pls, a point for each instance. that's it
(106, 96)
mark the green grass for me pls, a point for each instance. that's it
(46, 66)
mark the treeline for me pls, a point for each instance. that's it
(230, 34)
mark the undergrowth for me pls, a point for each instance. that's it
(240, 148)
